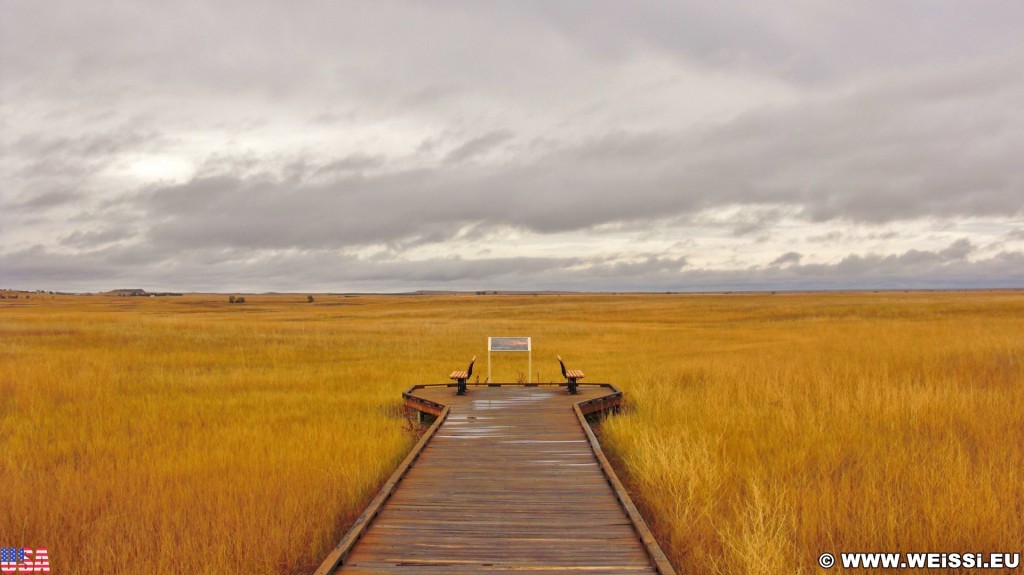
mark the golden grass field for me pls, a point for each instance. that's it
(187, 435)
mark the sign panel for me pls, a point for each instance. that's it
(508, 344)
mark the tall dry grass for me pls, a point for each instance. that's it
(856, 423)
(180, 435)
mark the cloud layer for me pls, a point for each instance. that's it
(527, 145)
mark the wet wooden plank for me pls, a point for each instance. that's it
(510, 481)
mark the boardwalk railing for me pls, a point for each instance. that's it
(642, 530)
(344, 547)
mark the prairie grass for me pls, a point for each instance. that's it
(189, 435)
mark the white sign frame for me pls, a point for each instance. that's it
(504, 348)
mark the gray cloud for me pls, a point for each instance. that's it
(958, 250)
(46, 200)
(786, 258)
(800, 41)
(95, 238)
(478, 146)
(92, 145)
(353, 163)
(615, 178)
(332, 271)
(803, 42)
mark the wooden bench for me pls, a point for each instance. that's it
(570, 375)
(462, 376)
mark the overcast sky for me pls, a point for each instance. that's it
(599, 145)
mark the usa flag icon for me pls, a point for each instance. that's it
(22, 560)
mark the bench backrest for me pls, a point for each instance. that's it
(469, 371)
(562, 364)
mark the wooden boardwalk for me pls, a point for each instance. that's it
(509, 479)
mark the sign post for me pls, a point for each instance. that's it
(511, 344)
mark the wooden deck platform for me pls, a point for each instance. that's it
(509, 479)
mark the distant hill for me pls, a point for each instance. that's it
(127, 292)
(135, 292)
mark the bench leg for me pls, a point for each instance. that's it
(572, 386)
(462, 387)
